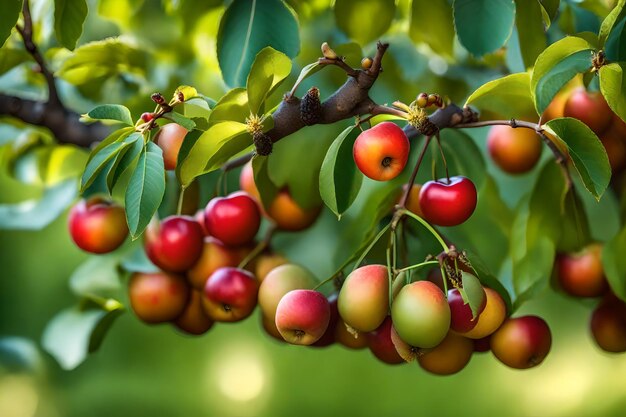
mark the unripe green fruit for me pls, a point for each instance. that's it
(364, 298)
(421, 315)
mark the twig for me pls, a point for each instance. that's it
(26, 32)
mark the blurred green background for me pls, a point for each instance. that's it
(237, 370)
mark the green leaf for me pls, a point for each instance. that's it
(613, 86)
(115, 112)
(307, 71)
(188, 143)
(535, 233)
(587, 153)
(472, 292)
(432, 24)
(11, 57)
(609, 21)
(36, 214)
(267, 189)
(97, 276)
(145, 189)
(117, 135)
(551, 8)
(483, 26)
(614, 263)
(8, 18)
(340, 179)
(196, 108)
(269, 70)
(125, 160)
(574, 224)
(249, 26)
(188, 92)
(100, 161)
(74, 333)
(185, 122)
(507, 97)
(219, 143)
(364, 20)
(558, 64)
(69, 17)
(615, 46)
(232, 107)
(99, 60)
(530, 29)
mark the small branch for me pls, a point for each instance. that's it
(27, 36)
(237, 162)
(339, 62)
(64, 125)
(513, 123)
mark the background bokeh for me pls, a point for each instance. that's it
(237, 370)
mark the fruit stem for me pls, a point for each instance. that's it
(419, 265)
(391, 266)
(370, 246)
(181, 198)
(428, 227)
(405, 196)
(443, 157)
(260, 247)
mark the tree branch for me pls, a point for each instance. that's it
(64, 125)
(27, 36)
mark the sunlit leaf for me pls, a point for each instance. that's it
(269, 70)
(556, 65)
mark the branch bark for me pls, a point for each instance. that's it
(64, 125)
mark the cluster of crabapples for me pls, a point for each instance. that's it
(211, 270)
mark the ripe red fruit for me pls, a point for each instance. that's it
(170, 138)
(590, 108)
(146, 117)
(328, 338)
(364, 298)
(175, 244)
(581, 274)
(193, 319)
(461, 318)
(97, 225)
(381, 345)
(381, 153)
(230, 294)
(492, 316)
(234, 219)
(514, 150)
(522, 342)
(608, 325)
(157, 297)
(421, 315)
(302, 316)
(448, 203)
